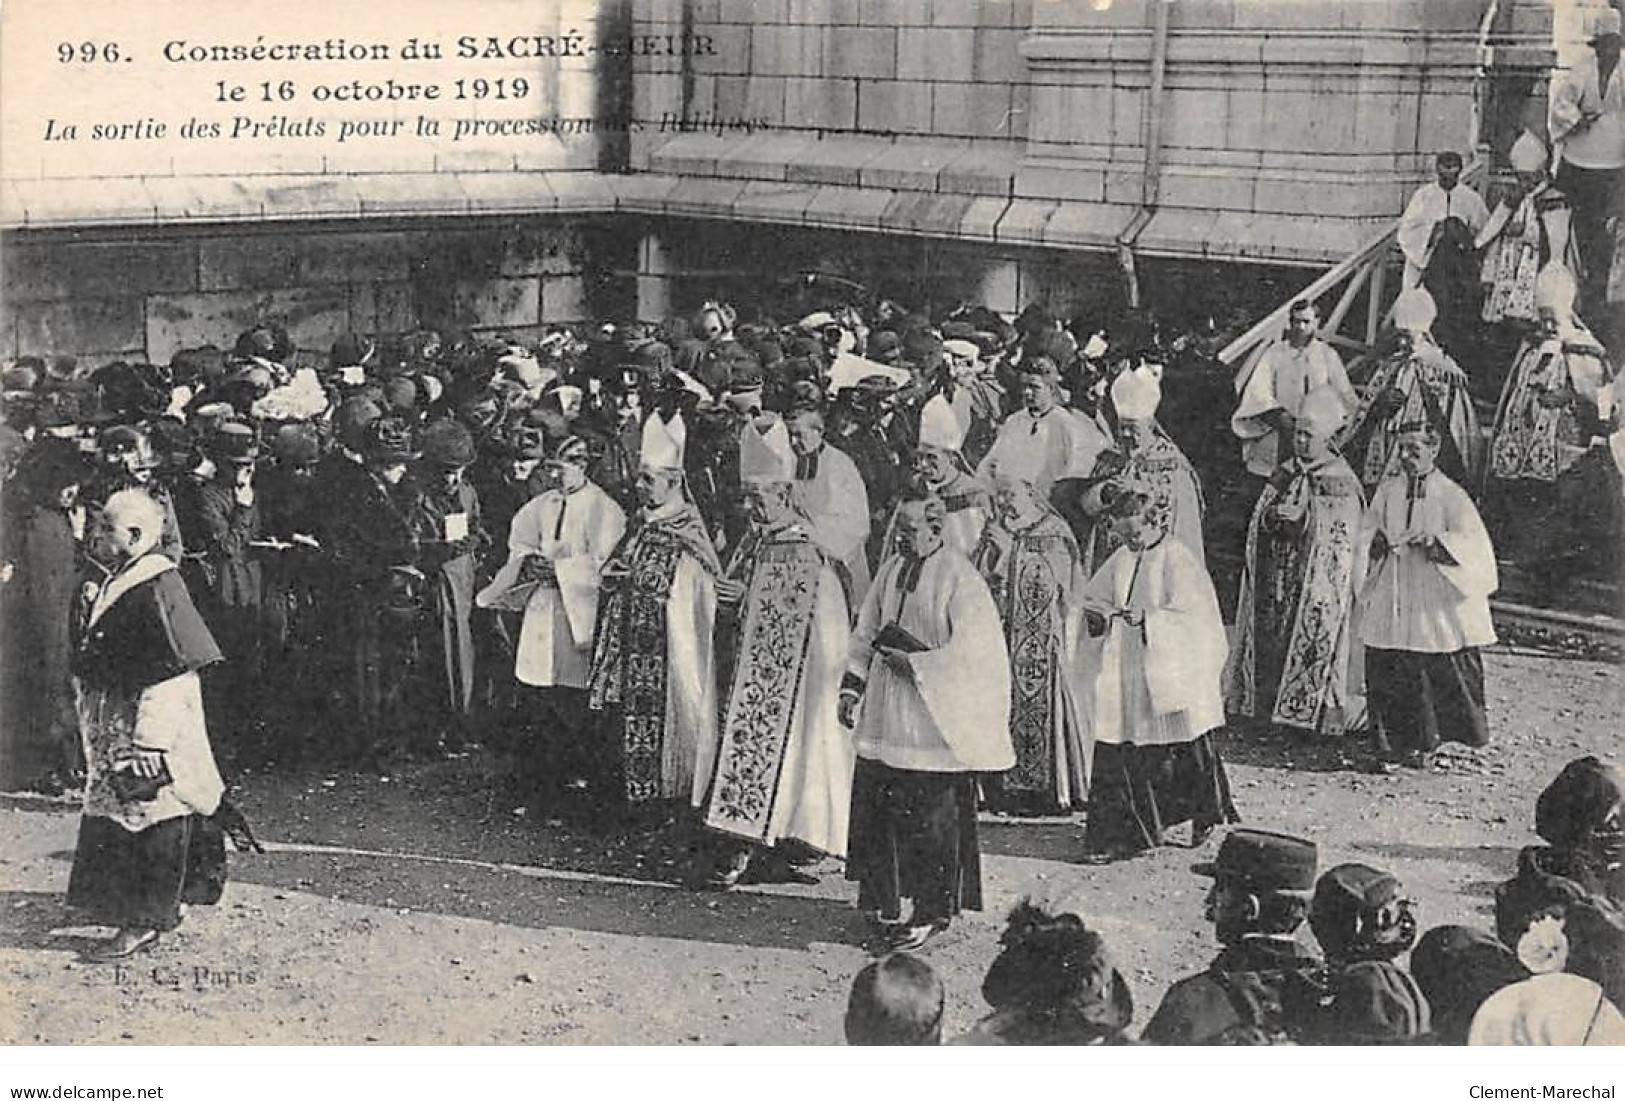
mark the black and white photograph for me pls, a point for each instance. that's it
(774, 523)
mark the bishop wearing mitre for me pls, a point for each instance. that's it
(652, 672)
(781, 766)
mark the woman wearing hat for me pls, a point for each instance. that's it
(372, 541)
(1052, 983)
(44, 524)
(447, 517)
(224, 572)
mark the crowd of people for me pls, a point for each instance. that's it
(1551, 973)
(834, 585)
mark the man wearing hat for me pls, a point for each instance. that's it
(652, 671)
(940, 471)
(1294, 661)
(557, 546)
(927, 695)
(1263, 979)
(781, 765)
(619, 432)
(856, 427)
(713, 455)
(1416, 381)
(1586, 118)
(1550, 500)
(446, 514)
(375, 556)
(1424, 611)
(125, 460)
(1270, 393)
(225, 576)
(1530, 227)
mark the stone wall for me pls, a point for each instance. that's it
(121, 296)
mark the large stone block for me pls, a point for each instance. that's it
(95, 269)
(821, 103)
(1055, 182)
(997, 55)
(564, 298)
(971, 110)
(935, 53)
(79, 326)
(315, 316)
(356, 257)
(496, 303)
(894, 106)
(752, 11)
(822, 12)
(898, 13)
(537, 249)
(786, 51)
(1194, 118)
(869, 52)
(233, 263)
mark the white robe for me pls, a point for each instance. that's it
(1160, 684)
(1281, 379)
(1410, 603)
(952, 713)
(1061, 443)
(837, 508)
(555, 636)
(169, 718)
(812, 799)
(1430, 205)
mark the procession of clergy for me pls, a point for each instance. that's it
(1028, 625)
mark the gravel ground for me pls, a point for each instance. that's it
(412, 907)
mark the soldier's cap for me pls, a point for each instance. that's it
(1579, 800)
(1351, 889)
(1264, 860)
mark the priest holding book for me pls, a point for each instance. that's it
(927, 693)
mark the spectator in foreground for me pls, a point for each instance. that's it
(1457, 968)
(1553, 1010)
(895, 1002)
(1053, 983)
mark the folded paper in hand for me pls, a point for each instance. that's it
(893, 637)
